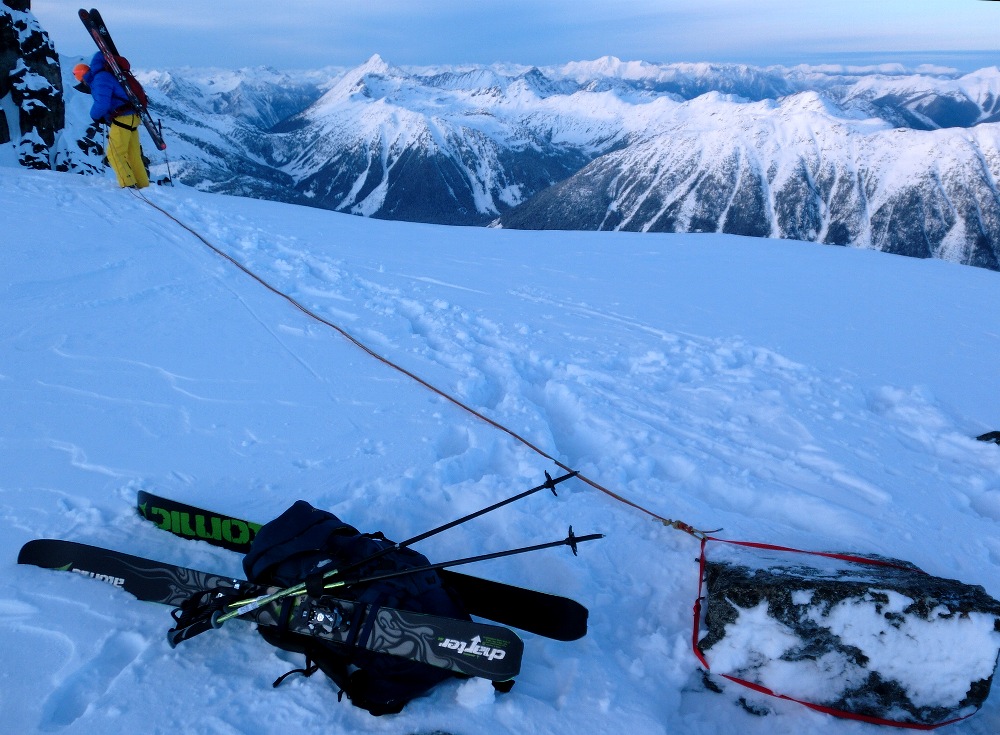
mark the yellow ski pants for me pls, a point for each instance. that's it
(125, 153)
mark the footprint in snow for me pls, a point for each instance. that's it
(83, 688)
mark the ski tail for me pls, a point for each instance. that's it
(191, 522)
(144, 579)
(541, 613)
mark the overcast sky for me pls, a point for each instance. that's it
(300, 34)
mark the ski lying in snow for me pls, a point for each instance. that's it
(541, 613)
(461, 646)
(94, 24)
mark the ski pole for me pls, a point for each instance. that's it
(170, 176)
(317, 580)
(243, 607)
(571, 540)
(549, 484)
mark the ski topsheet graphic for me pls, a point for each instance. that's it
(463, 647)
(94, 24)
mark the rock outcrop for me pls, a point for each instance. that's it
(879, 640)
(31, 89)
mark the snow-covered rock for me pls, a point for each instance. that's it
(31, 105)
(872, 637)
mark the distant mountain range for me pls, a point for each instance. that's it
(884, 157)
(877, 157)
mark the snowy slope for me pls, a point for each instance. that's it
(818, 397)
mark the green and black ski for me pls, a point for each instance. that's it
(541, 613)
(464, 647)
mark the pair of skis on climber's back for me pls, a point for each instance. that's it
(98, 30)
(466, 647)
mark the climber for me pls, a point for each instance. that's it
(112, 105)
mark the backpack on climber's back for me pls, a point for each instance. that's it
(133, 84)
(305, 540)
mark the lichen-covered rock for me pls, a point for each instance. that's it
(880, 640)
(30, 78)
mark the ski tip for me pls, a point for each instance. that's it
(46, 553)
(25, 554)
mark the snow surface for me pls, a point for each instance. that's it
(798, 394)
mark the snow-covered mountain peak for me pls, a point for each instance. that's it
(608, 66)
(478, 80)
(374, 79)
(812, 103)
(374, 65)
(983, 86)
(715, 102)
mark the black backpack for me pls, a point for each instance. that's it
(304, 540)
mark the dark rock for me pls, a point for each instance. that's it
(29, 73)
(990, 436)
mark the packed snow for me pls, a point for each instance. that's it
(812, 396)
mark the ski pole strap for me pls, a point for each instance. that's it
(197, 614)
(309, 669)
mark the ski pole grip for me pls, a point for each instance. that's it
(178, 634)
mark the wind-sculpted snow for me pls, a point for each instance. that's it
(823, 398)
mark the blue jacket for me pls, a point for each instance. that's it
(108, 94)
